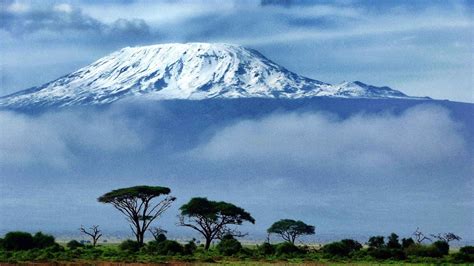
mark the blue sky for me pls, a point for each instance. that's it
(422, 48)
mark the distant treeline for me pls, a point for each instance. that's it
(218, 220)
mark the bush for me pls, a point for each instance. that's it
(436, 250)
(386, 253)
(129, 246)
(18, 241)
(392, 242)
(352, 244)
(266, 249)
(229, 246)
(465, 255)
(170, 247)
(24, 241)
(166, 247)
(468, 250)
(189, 248)
(41, 240)
(73, 244)
(442, 247)
(406, 242)
(55, 248)
(287, 248)
(423, 251)
(376, 242)
(342, 248)
(336, 249)
(161, 238)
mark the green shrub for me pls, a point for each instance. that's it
(189, 248)
(376, 242)
(352, 244)
(361, 255)
(129, 246)
(229, 246)
(92, 253)
(73, 244)
(166, 247)
(160, 238)
(392, 242)
(342, 248)
(380, 253)
(406, 242)
(246, 253)
(419, 250)
(465, 255)
(266, 249)
(468, 250)
(55, 248)
(335, 249)
(436, 250)
(442, 247)
(286, 248)
(398, 254)
(41, 240)
(18, 241)
(170, 247)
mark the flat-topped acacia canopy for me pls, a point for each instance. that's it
(140, 192)
(215, 209)
(212, 218)
(139, 206)
(289, 229)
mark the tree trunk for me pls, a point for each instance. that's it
(141, 238)
(208, 244)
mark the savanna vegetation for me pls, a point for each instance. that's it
(217, 222)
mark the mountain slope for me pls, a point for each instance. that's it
(192, 71)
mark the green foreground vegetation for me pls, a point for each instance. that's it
(141, 205)
(18, 247)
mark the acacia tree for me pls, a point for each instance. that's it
(419, 236)
(159, 234)
(94, 232)
(138, 205)
(446, 237)
(212, 218)
(289, 229)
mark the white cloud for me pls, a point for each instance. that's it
(25, 141)
(421, 138)
(53, 139)
(18, 7)
(353, 174)
(66, 8)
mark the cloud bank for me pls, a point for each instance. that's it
(54, 140)
(422, 138)
(366, 173)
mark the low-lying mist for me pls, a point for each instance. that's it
(349, 170)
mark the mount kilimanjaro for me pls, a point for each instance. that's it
(193, 71)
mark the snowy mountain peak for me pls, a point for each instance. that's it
(192, 71)
(359, 89)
